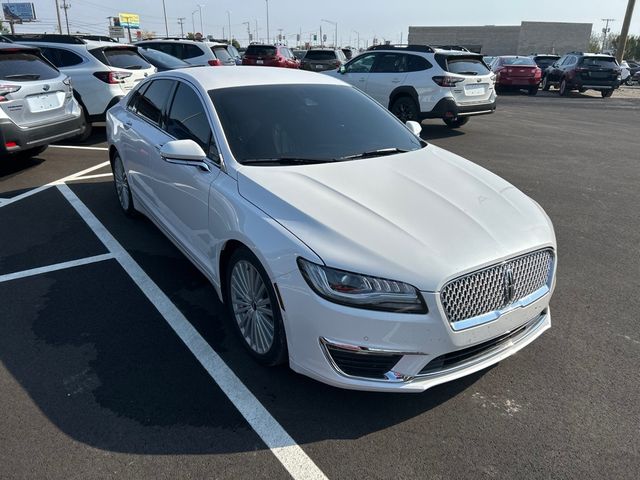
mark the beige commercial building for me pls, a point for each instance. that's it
(523, 39)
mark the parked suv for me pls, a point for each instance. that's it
(322, 59)
(270, 56)
(417, 82)
(36, 103)
(102, 72)
(584, 71)
(193, 52)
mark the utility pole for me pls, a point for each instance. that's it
(358, 33)
(181, 22)
(201, 27)
(58, 15)
(166, 25)
(622, 40)
(268, 40)
(193, 22)
(229, 20)
(280, 35)
(605, 31)
(255, 38)
(248, 24)
(66, 6)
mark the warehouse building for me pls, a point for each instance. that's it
(523, 39)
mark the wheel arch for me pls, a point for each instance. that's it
(404, 91)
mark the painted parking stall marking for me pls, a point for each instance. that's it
(57, 266)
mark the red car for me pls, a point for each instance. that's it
(518, 73)
(270, 56)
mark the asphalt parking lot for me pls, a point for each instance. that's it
(117, 360)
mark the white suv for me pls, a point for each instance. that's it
(417, 82)
(102, 72)
(194, 52)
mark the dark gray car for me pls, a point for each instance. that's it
(322, 59)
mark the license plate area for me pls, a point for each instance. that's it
(44, 102)
(475, 90)
(259, 62)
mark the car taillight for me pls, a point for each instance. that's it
(337, 63)
(112, 77)
(538, 73)
(6, 90)
(215, 63)
(447, 81)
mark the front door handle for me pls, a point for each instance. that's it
(127, 125)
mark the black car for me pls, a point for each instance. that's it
(584, 71)
(545, 61)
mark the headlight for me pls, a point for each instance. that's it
(362, 291)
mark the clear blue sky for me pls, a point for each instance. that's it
(381, 18)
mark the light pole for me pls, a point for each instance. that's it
(358, 33)
(201, 27)
(229, 20)
(248, 24)
(335, 36)
(193, 22)
(166, 25)
(267, 21)
(181, 22)
(58, 15)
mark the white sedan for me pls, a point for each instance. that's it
(338, 239)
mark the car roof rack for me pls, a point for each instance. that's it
(98, 38)
(458, 48)
(47, 37)
(404, 47)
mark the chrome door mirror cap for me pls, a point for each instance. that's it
(415, 127)
(184, 152)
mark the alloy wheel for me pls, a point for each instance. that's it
(122, 184)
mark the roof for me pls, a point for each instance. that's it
(222, 77)
(17, 46)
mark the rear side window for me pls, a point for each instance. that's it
(61, 57)
(25, 66)
(168, 48)
(221, 53)
(320, 55)
(467, 66)
(187, 120)
(599, 62)
(151, 103)
(417, 64)
(260, 51)
(389, 63)
(125, 58)
(190, 51)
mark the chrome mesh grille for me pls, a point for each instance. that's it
(485, 291)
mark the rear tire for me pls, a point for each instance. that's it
(121, 184)
(533, 91)
(606, 93)
(88, 128)
(564, 91)
(457, 123)
(254, 308)
(405, 108)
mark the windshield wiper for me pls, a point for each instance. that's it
(285, 161)
(30, 76)
(375, 153)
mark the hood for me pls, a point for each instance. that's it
(421, 217)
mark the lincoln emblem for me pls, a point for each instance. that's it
(509, 286)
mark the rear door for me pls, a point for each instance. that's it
(31, 91)
(477, 85)
(389, 71)
(358, 70)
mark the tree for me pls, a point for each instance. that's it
(191, 36)
(235, 43)
(594, 43)
(633, 46)
(3, 29)
(147, 35)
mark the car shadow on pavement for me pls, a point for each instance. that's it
(13, 166)
(106, 369)
(98, 137)
(435, 132)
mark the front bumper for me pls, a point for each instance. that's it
(448, 108)
(406, 345)
(36, 136)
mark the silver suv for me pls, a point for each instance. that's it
(194, 52)
(36, 103)
(102, 71)
(417, 82)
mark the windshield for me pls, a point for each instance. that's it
(126, 58)
(260, 51)
(161, 59)
(319, 122)
(320, 55)
(524, 61)
(467, 66)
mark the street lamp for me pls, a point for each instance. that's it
(335, 37)
(201, 27)
(358, 33)
(229, 20)
(267, 20)
(193, 22)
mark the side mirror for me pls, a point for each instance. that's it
(342, 69)
(184, 152)
(415, 127)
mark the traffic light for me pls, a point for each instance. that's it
(315, 37)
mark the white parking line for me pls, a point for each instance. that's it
(77, 147)
(56, 266)
(41, 188)
(89, 177)
(292, 457)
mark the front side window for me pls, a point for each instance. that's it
(319, 123)
(187, 120)
(151, 103)
(361, 64)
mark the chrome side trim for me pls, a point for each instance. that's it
(531, 329)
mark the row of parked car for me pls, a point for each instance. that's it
(574, 71)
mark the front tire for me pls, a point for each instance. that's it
(121, 184)
(456, 123)
(254, 309)
(406, 109)
(606, 93)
